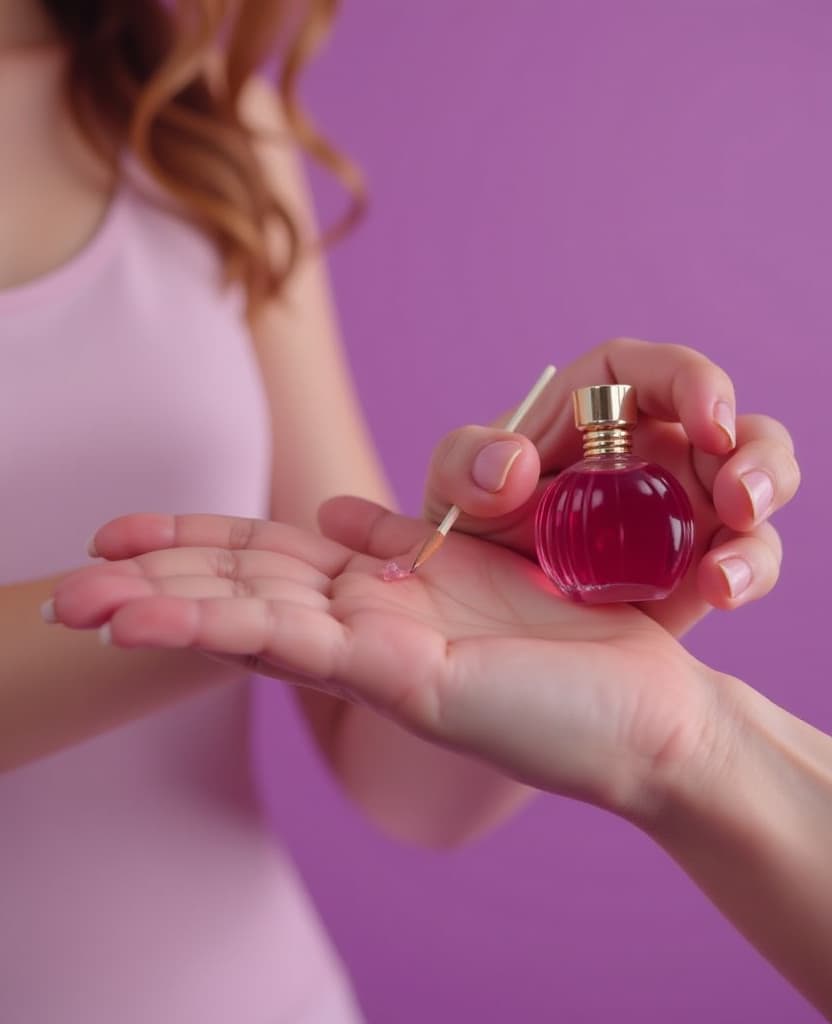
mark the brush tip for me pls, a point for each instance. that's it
(429, 548)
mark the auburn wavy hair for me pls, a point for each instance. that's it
(139, 75)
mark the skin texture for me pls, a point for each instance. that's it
(478, 653)
(317, 612)
(484, 640)
(412, 789)
(678, 392)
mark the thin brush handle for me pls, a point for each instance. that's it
(515, 419)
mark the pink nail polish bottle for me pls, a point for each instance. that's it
(613, 527)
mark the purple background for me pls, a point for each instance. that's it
(546, 175)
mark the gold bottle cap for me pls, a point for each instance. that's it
(605, 405)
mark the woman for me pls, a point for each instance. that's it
(139, 881)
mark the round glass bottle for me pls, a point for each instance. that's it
(613, 527)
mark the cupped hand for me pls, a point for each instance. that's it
(477, 651)
(737, 470)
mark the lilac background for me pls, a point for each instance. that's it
(545, 175)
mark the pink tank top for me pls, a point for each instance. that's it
(138, 883)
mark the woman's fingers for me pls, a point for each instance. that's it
(490, 473)
(672, 382)
(761, 476)
(754, 484)
(369, 528)
(363, 655)
(373, 530)
(92, 605)
(486, 472)
(740, 568)
(136, 534)
(283, 630)
(87, 598)
(737, 568)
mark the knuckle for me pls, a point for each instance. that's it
(761, 426)
(241, 533)
(684, 353)
(447, 463)
(721, 536)
(797, 473)
(788, 473)
(785, 469)
(454, 444)
(446, 452)
(772, 543)
(241, 588)
(621, 344)
(228, 565)
(691, 360)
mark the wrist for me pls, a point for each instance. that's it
(698, 785)
(749, 819)
(752, 764)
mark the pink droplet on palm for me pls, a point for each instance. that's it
(393, 571)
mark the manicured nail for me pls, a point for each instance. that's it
(491, 467)
(92, 551)
(724, 419)
(47, 611)
(105, 634)
(737, 573)
(760, 490)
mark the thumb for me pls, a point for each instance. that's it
(488, 473)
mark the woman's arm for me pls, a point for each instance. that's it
(323, 448)
(59, 687)
(752, 826)
(602, 705)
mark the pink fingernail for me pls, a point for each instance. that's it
(759, 487)
(737, 573)
(725, 420)
(92, 551)
(47, 611)
(491, 467)
(105, 634)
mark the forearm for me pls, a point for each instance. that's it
(410, 788)
(754, 831)
(415, 790)
(59, 687)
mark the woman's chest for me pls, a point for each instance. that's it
(53, 188)
(138, 391)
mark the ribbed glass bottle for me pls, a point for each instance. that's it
(613, 527)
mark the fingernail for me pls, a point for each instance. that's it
(737, 573)
(491, 467)
(92, 551)
(760, 490)
(105, 634)
(47, 611)
(724, 419)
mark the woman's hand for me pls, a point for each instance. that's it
(687, 424)
(477, 651)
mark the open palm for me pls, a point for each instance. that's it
(477, 651)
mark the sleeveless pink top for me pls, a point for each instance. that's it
(138, 882)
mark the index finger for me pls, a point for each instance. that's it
(672, 382)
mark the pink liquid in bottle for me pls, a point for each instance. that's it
(613, 527)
